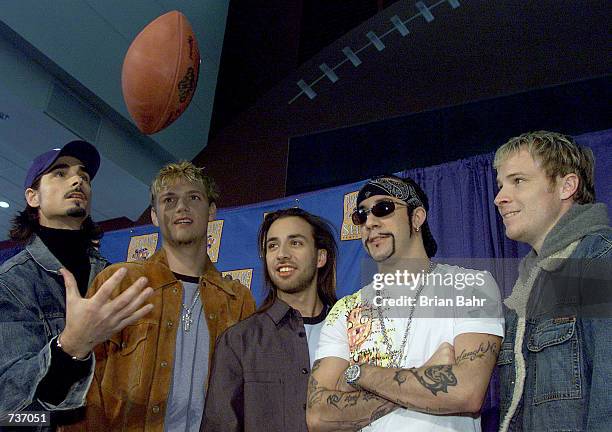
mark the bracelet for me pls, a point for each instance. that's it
(59, 345)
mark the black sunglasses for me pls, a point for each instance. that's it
(380, 209)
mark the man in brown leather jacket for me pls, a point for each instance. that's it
(152, 376)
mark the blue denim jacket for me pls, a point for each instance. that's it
(568, 363)
(32, 312)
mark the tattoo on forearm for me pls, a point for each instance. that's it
(351, 399)
(356, 415)
(357, 423)
(334, 399)
(481, 352)
(436, 378)
(367, 396)
(343, 401)
(427, 410)
(315, 393)
(400, 377)
(381, 411)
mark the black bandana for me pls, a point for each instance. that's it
(390, 186)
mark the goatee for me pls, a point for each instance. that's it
(77, 212)
(380, 259)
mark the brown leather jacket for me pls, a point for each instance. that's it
(134, 368)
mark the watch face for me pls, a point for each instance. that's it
(352, 373)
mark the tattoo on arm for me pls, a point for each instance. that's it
(381, 411)
(315, 393)
(400, 377)
(436, 378)
(343, 400)
(333, 400)
(480, 352)
(367, 396)
(348, 410)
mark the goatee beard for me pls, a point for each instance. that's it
(386, 257)
(77, 212)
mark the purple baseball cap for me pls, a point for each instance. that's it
(82, 150)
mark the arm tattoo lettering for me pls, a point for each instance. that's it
(381, 411)
(436, 378)
(351, 399)
(481, 352)
(367, 396)
(343, 401)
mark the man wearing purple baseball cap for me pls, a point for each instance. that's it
(47, 328)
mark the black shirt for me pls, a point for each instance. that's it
(70, 248)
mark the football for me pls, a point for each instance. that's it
(160, 72)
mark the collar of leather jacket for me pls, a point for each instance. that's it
(159, 274)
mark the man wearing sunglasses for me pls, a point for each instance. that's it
(410, 368)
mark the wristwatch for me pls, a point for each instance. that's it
(351, 374)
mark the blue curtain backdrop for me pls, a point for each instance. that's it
(462, 217)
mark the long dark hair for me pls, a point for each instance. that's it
(25, 224)
(324, 239)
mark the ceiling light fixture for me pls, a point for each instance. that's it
(375, 40)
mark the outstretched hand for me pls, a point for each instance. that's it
(90, 321)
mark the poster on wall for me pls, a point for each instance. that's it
(141, 247)
(244, 276)
(350, 231)
(215, 229)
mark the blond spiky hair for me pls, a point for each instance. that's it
(558, 155)
(183, 170)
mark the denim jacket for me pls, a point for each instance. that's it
(32, 313)
(566, 361)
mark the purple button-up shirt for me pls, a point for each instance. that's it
(259, 377)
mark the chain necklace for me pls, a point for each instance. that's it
(396, 357)
(186, 317)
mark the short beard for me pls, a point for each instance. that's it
(301, 285)
(298, 287)
(76, 212)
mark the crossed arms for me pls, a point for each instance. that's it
(445, 384)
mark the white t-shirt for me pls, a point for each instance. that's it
(312, 327)
(352, 331)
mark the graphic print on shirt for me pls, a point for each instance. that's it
(363, 329)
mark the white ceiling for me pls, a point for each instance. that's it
(60, 79)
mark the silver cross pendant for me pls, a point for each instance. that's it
(187, 321)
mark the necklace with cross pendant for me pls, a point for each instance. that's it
(187, 321)
(186, 317)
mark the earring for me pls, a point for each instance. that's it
(417, 229)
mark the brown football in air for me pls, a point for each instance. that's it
(160, 72)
